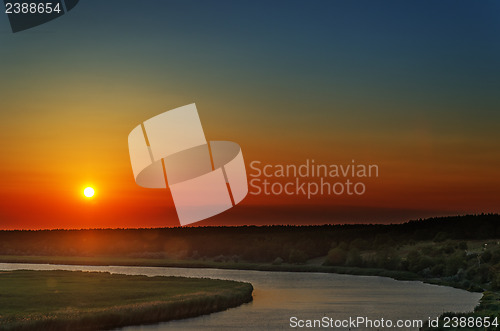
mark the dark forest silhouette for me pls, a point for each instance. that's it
(252, 243)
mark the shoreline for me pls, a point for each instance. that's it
(285, 267)
(154, 300)
(483, 308)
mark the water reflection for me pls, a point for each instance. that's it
(281, 295)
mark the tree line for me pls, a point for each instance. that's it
(294, 244)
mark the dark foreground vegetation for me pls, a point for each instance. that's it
(74, 300)
(488, 307)
(461, 251)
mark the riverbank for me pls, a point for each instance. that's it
(192, 263)
(488, 306)
(74, 300)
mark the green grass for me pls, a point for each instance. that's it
(75, 300)
(487, 301)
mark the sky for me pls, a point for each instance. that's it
(411, 86)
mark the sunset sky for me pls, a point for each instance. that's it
(412, 86)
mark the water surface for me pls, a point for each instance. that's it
(280, 295)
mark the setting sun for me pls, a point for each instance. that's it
(88, 192)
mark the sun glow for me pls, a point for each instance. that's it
(88, 192)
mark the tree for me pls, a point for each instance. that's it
(297, 256)
(336, 256)
(354, 258)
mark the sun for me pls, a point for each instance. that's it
(88, 192)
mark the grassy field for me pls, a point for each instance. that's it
(74, 300)
(489, 305)
(458, 251)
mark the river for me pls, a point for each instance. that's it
(278, 296)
